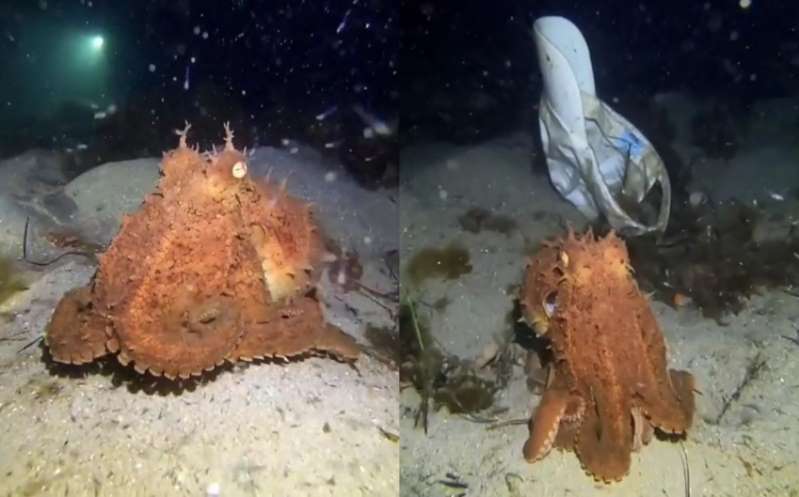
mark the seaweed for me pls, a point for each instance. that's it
(442, 378)
(478, 219)
(10, 280)
(448, 263)
(422, 361)
(384, 343)
(466, 393)
(714, 256)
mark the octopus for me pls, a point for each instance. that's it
(609, 385)
(215, 266)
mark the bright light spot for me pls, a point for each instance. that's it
(97, 42)
(213, 490)
(151, 67)
(88, 50)
(745, 4)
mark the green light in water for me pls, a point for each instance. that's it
(97, 42)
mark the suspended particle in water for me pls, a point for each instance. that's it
(213, 490)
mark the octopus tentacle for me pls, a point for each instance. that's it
(76, 333)
(603, 457)
(674, 413)
(556, 405)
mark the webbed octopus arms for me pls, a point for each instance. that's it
(611, 385)
(181, 290)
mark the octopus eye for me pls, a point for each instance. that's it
(239, 169)
(551, 304)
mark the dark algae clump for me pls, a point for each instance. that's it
(448, 263)
(715, 257)
(478, 219)
(443, 378)
(10, 283)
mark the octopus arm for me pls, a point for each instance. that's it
(605, 441)
(557, 413)
(672, 410)
(76, 333)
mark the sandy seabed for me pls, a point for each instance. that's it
(745, 438)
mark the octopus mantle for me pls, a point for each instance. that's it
(214, 266)
(610, 384)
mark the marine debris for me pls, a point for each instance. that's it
(215, 266)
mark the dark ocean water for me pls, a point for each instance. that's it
(111, 80)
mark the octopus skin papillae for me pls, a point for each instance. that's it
(610, 385)
(214, 266)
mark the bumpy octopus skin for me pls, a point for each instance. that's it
(215, 266)
(611, 384)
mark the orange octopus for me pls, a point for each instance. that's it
(610, 385)
(215, 266)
